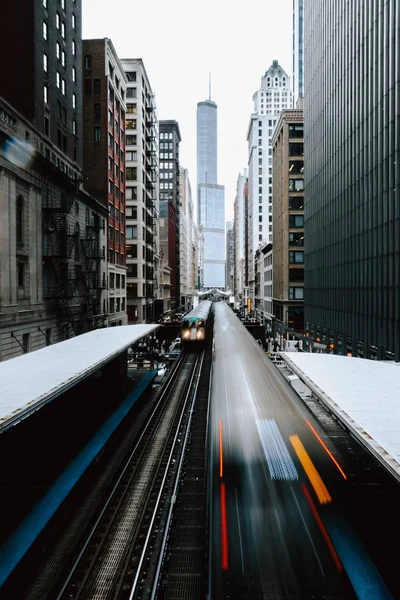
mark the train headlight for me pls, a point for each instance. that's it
(200, 334)
(186, 334)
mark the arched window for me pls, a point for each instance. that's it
(20, 220)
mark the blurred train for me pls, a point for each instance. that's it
(196, 325)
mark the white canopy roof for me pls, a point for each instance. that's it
(31, 380)
(364, 394)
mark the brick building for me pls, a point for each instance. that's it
(104, 89)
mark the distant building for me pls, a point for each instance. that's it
(169, 204)
(188, 242)
(288, 241)
(142, 234)
(239, 236)
(104, 159)
(273, 96)
(230, 256)
(298, 50)
(210, 196)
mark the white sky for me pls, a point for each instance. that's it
(180, 41)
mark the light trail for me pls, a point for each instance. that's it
(319, 487)
(322, 528)
(327, 450)
(224, 529)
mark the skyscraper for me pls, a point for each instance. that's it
(273, 96)
(352, 176)
(298, 50)
(210, 196)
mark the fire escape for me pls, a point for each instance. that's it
(71, 265)
(91, 274)
(151, 284)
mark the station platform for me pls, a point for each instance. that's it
(19, 542)
(363, 394)
(30, 381)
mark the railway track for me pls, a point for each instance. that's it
(115, 555)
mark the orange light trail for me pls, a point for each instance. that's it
(221, 464)
(312, 473)
(343, 474)
(322, 528)
(224, 529)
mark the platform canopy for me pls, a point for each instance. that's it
(364, 394)
(30, 381)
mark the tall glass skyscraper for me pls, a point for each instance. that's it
(298, 49)
(352, 176)
(210, 196)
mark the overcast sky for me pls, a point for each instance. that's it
(180, 41)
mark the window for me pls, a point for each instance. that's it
(131, 75)
(45, 94)
(44, 3)
(48, 337)
(296, 257)
(73, 100)
(131, 232)
(97, 86)
(118, 281)
(74, 74)
(58, 51)
(296, 203)
(44, 30)
(296, 221)
(110, 186)
(63, 88)
(63, 4)
(97, 111)
(63, 30)
(296, 185)
(58, 21)
(123, 282)
(131, 92)
(74, 126)
(132, 271)
(112, 281)
(88, 62)
(130, 124)
(131, 173)
(97, 134)
(131, 108)
(131, 140)
(20, 220)
(131, 212)
(73, 48)
(73, 20)
(296, 238)
(25, 342)
(58, 79)
(21, 274)
(45, 63)
(296, 130)
(131, 251)
(296, 293)
(63, 60)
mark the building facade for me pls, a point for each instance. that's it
(52, 271)
(298, 50)
(188, 243)
(104, 92)
(52, 238)
(288, 211)
(47, 58)
(352, 153)
(142, 232)
(239, 231)
(169, 204)
(273, 96)
(230, 256)
(210, 197)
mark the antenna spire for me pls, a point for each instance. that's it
(209, 85)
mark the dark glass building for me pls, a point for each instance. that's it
(352, 176)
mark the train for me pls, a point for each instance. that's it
(196, 325)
